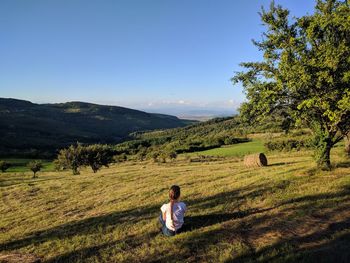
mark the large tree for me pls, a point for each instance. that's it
(305, 72)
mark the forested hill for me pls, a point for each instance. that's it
(199, 136)
(27, 127)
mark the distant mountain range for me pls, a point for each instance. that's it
(194, 113)
(27, 128)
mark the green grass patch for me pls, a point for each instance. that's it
(20, 165)
(236, 150)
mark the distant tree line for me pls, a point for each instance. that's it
(165, 145)
(160, 146)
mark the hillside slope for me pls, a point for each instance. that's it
(286, 212)
(199, 136)
(25, 125)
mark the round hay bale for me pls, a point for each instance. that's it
(255, 160)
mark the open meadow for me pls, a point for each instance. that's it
(109, 108)
(287, 211)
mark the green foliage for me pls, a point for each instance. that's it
(4, 166)
(97, 156)
(162, 157)
(35, 166)
(305, 74)
(122, 157)
(167, 144)
(75, 156)
(295, 140)
(70, 158)
(288, 144)
(142, 154)
(322, 143)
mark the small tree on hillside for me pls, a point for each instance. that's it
(162, 157)
(70, 158)
(75, 156)
(142, 154)
(154, 155)
(305, 73)
(4, 166)
(35, 166)
(122, 157)
(97, 156)
(172, 155)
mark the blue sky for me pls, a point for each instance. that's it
(149, 54)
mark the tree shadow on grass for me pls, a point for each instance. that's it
(83, 227)
(323, 200)
(342, 165)
(92, 225)
(27, 180)
(282, 163)
(327, 245)
(200, 221)
(95, 251)
(315, 170)
(326, 238)
(236, 197)
(235, 224)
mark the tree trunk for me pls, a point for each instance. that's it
(75, 170)
(347, 144)
(324, 160)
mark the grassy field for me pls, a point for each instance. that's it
(287, 211)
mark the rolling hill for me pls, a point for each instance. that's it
(27, 128)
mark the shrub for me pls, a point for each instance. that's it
(142, 154)
(120, 157)
(172, 155)
(154, 156)
(162, 157)
(288, 144)
(4, 166)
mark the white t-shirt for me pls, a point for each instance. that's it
(179, 209)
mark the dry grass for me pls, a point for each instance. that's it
(287, 211)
